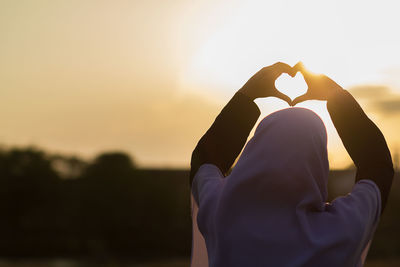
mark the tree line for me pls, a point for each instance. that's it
(107, 208)
(52, 206)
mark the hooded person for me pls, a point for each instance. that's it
(272, 209)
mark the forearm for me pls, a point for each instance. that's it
(363, 140)
(222, 143)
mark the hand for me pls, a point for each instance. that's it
(320, 87)
(262, 84)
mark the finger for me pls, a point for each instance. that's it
(299, 66)
(300, 99)
(283, 97)
(281, 67)
(303, 70)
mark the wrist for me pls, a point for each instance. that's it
(332, 96)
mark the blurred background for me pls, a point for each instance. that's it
(102, 103)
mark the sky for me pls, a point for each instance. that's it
(81, 77)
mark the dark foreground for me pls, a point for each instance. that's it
(110, 213)
(168, 263)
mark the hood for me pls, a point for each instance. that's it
(286, 160)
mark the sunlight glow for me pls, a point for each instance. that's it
(324, 37)
(149, 77)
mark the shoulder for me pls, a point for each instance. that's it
(362, 204)
(207, 178)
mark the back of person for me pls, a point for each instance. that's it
(271, 210)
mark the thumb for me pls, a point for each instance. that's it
(284, 97)
(303, 70)
(300, 99)
(299, 66)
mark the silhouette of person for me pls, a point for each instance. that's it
(272, 209)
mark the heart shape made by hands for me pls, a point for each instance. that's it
(292, 87)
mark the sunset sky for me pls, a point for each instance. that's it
(148, 77)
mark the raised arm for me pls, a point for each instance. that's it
(364, 142)
(222, 143)
(362, 139)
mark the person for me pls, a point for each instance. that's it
(272, 209)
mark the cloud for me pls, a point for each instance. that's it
(370, 91)
(392, 76)
(389, 106)
(379, 98)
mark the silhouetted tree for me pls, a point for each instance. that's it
(109, 201)
(114, 165)
(68, 167)
(27, 190)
